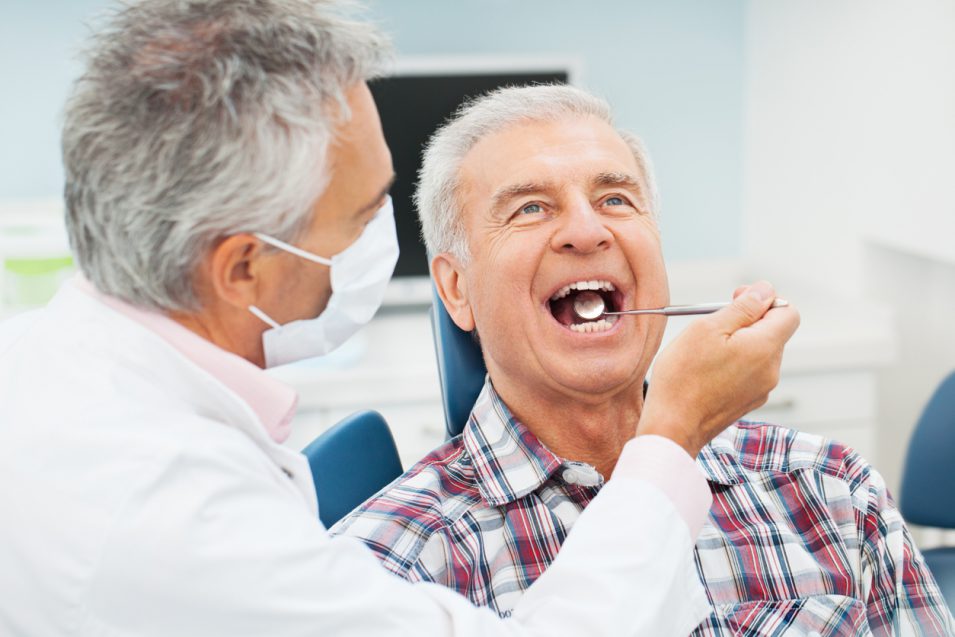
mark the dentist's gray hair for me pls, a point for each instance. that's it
(436, 196)
(198, 119)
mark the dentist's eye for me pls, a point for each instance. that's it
(616, 201)
(531, 209)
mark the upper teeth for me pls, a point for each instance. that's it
(606, 286)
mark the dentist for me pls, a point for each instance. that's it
(227, 203)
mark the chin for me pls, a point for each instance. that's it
(597, 378)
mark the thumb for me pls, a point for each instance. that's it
(746, 308)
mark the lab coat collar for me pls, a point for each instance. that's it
(273, 402)
(155, 375)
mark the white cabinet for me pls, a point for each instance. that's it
(835, 404)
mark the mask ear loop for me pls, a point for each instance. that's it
(265, 317)
(281, 245)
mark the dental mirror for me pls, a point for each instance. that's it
(590, 306)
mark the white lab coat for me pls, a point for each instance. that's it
(140, 496)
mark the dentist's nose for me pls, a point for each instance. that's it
(581, 230)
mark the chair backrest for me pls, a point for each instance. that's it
(461, 367)
(928, 481)
(351, 462)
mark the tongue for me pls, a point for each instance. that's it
(563, 309)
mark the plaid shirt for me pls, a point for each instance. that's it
(802, 538)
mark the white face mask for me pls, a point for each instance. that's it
(359, 276)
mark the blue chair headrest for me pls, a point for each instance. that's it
(928, 482)
(350, 463)
(461, 367)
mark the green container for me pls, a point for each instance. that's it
(32, 281)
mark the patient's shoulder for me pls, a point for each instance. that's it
(398, 521)
(749, 451)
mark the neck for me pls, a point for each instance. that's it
(225, 332)
(592, 430)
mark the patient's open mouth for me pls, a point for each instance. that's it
(562, 306)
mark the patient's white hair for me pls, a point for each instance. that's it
(197, 119)
(436, 196)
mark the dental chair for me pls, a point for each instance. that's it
(461, 369)
(351, 462)
(928, 481)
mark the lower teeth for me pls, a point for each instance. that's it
(593, 326)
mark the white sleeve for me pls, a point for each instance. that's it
(216, 549)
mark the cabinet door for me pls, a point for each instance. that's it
(837, 405)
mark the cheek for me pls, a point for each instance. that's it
(498, 291)
(646, 259)
(302, 290)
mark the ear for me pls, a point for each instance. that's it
(234, 269)
(452, 287)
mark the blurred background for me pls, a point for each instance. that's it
(809, 142)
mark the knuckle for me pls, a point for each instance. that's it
(774, 376)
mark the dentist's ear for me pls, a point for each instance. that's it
(449, 280)
(233, 269)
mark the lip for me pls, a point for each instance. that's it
(622, 295)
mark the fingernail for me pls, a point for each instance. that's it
(763, 290)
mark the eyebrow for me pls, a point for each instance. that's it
(518, 190)
(618, 179)
(374, 204)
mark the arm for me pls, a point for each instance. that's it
(214, 547)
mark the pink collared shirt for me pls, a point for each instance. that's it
(273, 402)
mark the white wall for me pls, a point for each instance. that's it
(849, 156)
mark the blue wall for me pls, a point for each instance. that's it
(672, 70)
(39, 43)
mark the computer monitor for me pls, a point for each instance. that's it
(413, 102)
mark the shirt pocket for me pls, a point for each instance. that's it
(815, 616)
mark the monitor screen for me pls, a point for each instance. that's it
(412, 107)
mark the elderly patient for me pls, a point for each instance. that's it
(527, 197)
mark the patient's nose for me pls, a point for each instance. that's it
(581, 229)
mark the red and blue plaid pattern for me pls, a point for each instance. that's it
(802, 538)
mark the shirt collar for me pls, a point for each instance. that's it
(273, 402)
(509, 461)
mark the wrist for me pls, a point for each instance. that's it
(675, 428)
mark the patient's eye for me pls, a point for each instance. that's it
(531, 208)
(616, 201)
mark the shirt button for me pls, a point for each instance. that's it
(570, 476)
